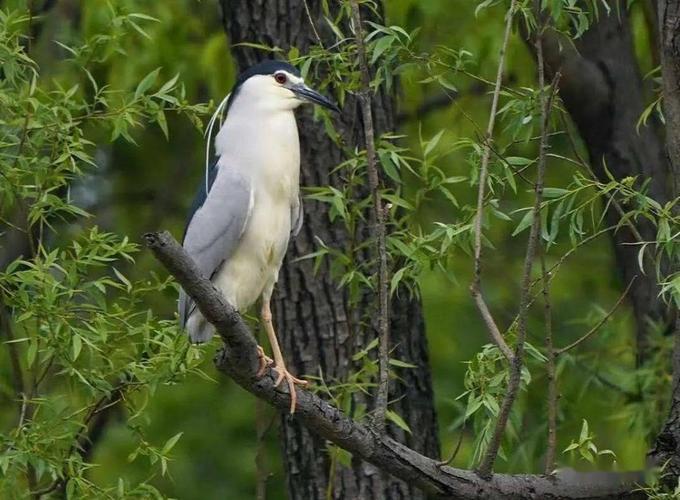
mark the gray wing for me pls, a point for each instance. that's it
(296, 217)
(216, 227)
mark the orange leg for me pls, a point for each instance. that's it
(279, 364)
(265, 362)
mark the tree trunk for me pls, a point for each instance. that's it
(602, 89)
(319, 329)
(667, 446)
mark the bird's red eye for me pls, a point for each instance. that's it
(280, 78)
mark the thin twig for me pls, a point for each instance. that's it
(378, 215)
(552, 271)
(514, 379)
(475, 286)
(454, 454)
(599, 324)
(586, 166)
(551, 448)
(311, 23)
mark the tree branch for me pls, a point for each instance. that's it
(599, 324)
(475, 286)
(239, 360)
(603, 91)
(667, 447)
(551, 372)
(514, 378)
(379, 216)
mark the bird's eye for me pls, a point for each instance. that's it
(280, 78)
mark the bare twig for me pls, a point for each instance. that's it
(551, 448)
(514, 379)
(599, 324)
(475, 286)
(378, 215)
(455, 451)
(239, 360)
(311, 23)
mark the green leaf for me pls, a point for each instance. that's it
(401, 364)
(398, 201)
(169, 85)
(162, 123)
(144, 16)
(372, 345)
(584, 432)
(170, 443)
(77, 346)
(552, 192)
(122, 278)
(518, 161)
(432, 143)
(571, 447)
(524, 223)
(335, 28)
(381, 46)
(396, 419)
(396, 278)
(473, 405)
(146, 83)
(31, 352)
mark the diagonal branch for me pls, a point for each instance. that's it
(475, 286)
(551, 370)
(379, 214)
(239, 360)
(599, 324)
(514, 378)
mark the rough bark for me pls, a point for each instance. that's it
(602, 89)
(319, 329)
(669, 27)
(239, 360)
(667, 446)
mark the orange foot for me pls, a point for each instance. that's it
(265, 362)
(292, 382)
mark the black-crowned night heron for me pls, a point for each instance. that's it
(249, 206)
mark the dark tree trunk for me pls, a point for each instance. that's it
(602, 89)
(667, 446)
(319, 329)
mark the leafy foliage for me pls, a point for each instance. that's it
(80, 336)
(84, 325)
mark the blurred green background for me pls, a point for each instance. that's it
(150, 186)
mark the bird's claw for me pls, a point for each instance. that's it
(265, 362)
(292, 382)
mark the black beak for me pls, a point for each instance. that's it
(307, 94)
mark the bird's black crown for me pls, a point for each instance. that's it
(263, 68)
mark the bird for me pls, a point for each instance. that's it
(249, 206)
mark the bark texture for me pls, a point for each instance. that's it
(602, 89)
(667, 446)
(239, 360)
(318, 328)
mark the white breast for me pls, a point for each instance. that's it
(265, 149)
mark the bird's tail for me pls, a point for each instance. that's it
(200, 331)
